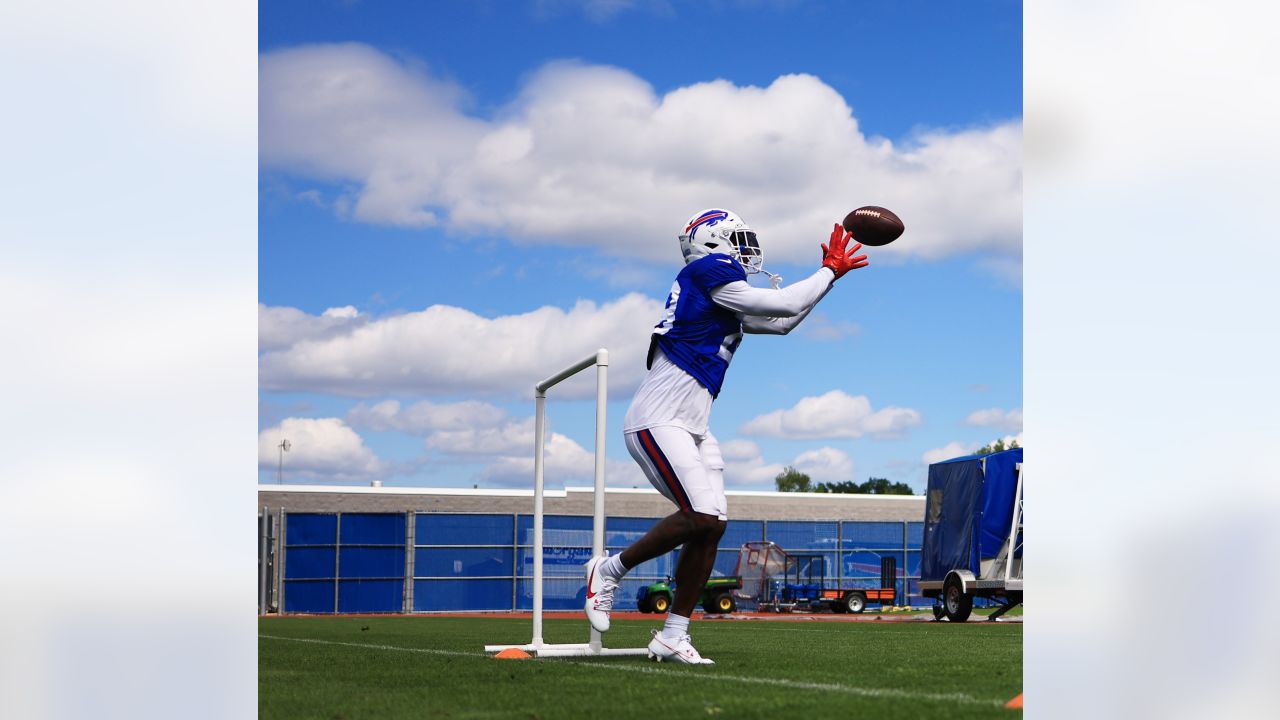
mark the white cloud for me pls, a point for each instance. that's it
(825, 464)
(508, 448)
(946, 452)
(583, 142)
(819, 326)
(424, 417)
(738, 449)
(745, 465)
(446, 349)
(1010, 420)
(601, 11)
(322, 448)
(280, 327)
(833, 415)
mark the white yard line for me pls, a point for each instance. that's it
(649, 670)
(371, 646)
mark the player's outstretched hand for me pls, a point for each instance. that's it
(837, 257)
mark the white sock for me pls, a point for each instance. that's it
(675, 627)
(613, 567)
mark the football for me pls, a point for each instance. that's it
(874, 226)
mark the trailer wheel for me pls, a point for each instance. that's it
(855, 602)
(957, 603)
(660, 602)
(939, 612)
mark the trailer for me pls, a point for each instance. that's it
(805, 587)
(973, 534)
(778, 581)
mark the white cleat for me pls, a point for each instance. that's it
(600, 591)
(678, 650)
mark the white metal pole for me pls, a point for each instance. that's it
(602, 391)
(263, 577)
(597, 535)
(1013, 526)
(539, 429)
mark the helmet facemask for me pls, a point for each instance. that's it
(748, 253)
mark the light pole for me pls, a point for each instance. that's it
(284, 448)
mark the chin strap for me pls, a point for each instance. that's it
(774, 280)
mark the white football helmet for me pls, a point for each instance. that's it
(721, 231)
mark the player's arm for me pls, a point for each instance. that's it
(765, 325)
(777, 312)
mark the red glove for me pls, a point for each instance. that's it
(837, 257)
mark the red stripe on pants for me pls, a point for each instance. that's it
(664, 469)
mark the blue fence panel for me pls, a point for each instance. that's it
(429, 595)
(557, 530)
(308, 596)
(311, 529)
(795, 535)
(306, 563)
(371, 562)
(726, 562)
(463, 562)
(373, 529)
(621, 532)
(915, 534)
(371, 596)
(739, 532)
(872, 536)
(657, 568)
(558, 593)
(913, 563)
(446, 529)
(556, 561)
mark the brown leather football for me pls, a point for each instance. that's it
(874, 226)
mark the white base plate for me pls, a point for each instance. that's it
(570, 650)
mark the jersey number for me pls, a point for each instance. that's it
(729, 346)
(669, 313)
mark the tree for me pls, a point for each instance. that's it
(996, 447)
(792, 480)
(882, 486)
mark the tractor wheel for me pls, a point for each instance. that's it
(957, 603)
(643, 605)
(660, 602)
(939, 612)
(855, 602)
(722, 603)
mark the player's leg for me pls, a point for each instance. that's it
(704, 483)
(670, 460)
(698, 556)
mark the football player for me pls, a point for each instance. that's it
(708, 310)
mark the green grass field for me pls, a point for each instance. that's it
(435, 667)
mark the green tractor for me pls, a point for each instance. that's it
(717, 596)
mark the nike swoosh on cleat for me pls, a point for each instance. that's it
(589, 579)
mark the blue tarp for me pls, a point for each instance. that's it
(968, 511)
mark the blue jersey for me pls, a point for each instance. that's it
(695, 333)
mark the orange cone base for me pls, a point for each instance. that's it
(1014, 704)
(518, 654)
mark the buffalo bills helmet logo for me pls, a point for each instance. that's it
(708, 218)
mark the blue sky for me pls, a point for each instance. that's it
(455, 198)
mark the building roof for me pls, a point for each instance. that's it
(619, 502)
